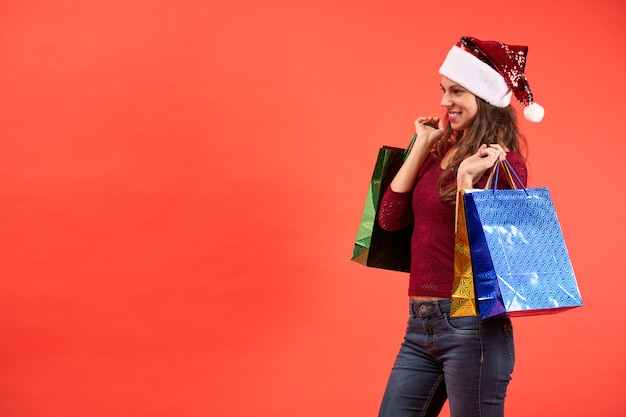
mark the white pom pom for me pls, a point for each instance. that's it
(534, 112)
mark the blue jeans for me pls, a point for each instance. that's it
(462, 359)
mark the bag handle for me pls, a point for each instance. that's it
(407, 151)
(492, 181)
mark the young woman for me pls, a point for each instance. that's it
(462, 359)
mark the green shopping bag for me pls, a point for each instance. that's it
(374, 246)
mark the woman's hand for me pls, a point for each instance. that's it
(427, 135)
(429, 129)
(474, 166)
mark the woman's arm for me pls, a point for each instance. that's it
(395, 211)
(395, 208)
(427, 135)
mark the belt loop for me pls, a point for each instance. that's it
(413, 308)
(443, 306)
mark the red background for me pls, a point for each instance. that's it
(181, 184)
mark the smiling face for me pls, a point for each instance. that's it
(460, 104)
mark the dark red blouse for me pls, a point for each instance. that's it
(432, 244)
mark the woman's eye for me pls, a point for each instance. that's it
(457, 92)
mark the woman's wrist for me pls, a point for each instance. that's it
(464, 181)
(423, 143)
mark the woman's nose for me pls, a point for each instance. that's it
(445, 100)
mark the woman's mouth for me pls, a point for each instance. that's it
(453, 116)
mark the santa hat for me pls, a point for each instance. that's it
(492, 71)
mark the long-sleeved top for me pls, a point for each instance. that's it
(432, 242)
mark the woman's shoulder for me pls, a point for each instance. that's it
(514, 157)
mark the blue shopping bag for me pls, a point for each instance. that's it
(520, 262)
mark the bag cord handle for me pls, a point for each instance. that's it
(407, 151)
(492, 183)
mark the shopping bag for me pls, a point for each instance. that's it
(463, 294)
(520, 262)
(374, 246)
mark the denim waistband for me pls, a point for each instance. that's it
(434, 308)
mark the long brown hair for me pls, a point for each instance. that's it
(491, 125)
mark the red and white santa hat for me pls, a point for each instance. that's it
(492, 71)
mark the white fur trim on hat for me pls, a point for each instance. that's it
(478, 77)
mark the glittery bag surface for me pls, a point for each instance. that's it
(374, 246)
(520, 262)
(463, 294)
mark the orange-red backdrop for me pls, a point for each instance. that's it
(181, 184)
